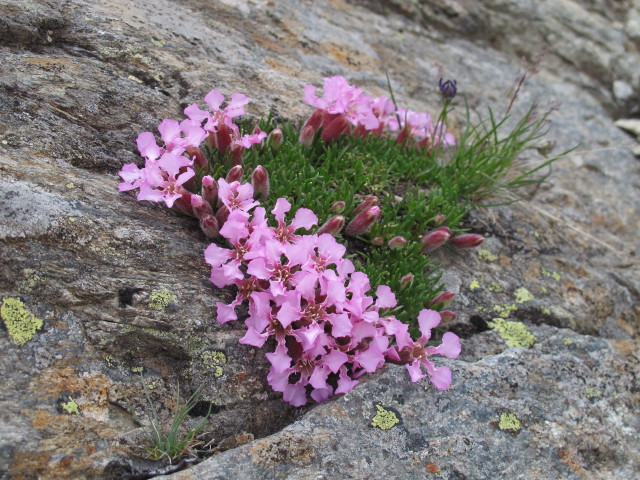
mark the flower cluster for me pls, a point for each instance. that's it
(302, 292)
(345, 109)
(169, 172)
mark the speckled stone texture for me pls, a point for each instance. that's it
(80, 79)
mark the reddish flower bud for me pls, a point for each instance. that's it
(209, 225)
(200, 207)
(275, 138)
(306, 136)
(198, 156)
(223, 138)
(183, 204)
(377, 241)
(221, 215)
(236, 152)
(397, 243)
(443, 299)
(235, 174)
(363, 221)
(333, 126)
(448, 316)
(260, 182)
(439, 219)
(333, 226)
(408, 278)
(338, 207)
(369, 201)
(434, 239)
(469, 240)
(209, 190)
(315, 119)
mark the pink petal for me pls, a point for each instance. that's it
(295, 395)
(226, 313)
(214, 99)
(279, 381)
(279, 359)
(321, 394)
(216, 256)
(281, 208)
(254, 338)
(289, 313)
(440, 377)
(341, 324)
(310, 96)
(371, 359)
(450, 346)
(427, 319)
(345, 383)
(194, 113)
(415, 372)
(386, 298)
(147, 146)
(304, 218)
(258, 268)
(318, 378)
(334, 360)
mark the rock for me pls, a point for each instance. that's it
(622, 91)
(631, 125)
(562, 409)
(122, 289)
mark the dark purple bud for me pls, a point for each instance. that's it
(397, 243)
(363, 221)
(333, 226)
(333, 126)
(434, 239)
(439, 219)
(443, 299)
(200, 207)
(469, 240)
(198, 157)
(448, 89)
(236, 153)
(209, 225)
(369, 201)
(338, 207)
(275, 138)
(209, 190)
(377, 241)
(221, 215)
(235, 174)
(408, 278)
(448, 316)
(306, 136)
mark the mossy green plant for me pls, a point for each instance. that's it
(509, 422)
(514, 334)
(160, 298)
(384, 419)
(21, 324)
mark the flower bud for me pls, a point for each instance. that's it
(448, 89)
(200, 207)
(333, 226)
(223, 138)
(377, 241)
(306, 136)
(315, 119)
(275, 138)
(369, 201)
(363, 221)
(338, 207)
(183, 204)
(469, 240)
(434, 239)
(209, 225)
(333, 126)
(408, 278)
(236, 152)
(443, 299)
(260, 182)
(198, 156)
(209, 190)
(235, 174)
(221, 215)
(439, 219)
(448, 316)
(397, 243)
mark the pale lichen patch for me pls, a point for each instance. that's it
(509, 422)
(384, 419)
(160, 298)
(523, 295)
(21, 324)
(514, 334)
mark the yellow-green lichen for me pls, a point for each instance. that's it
(486, 255)
(495, 287)
(509, 421)
(213, 361)
(544, 272)
(504, 311)
(21, 324)
(514, 334)
(543, 289)
(593, 392)
(567, 341)
(474, 285)
(160, 298)
(556, 276)
(384, 419)
(137, 369)
(70, 407)
(536, 234)
(545, 311)
(152, 385)
(523, 295)
(110, 361)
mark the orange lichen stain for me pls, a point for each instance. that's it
(269, 44)
(624, 347)
(339, 411)
(568, 458)
(432, 468)
(62, 378)
(346, 56)
(66, 461)
(91, 450)
(48, 63)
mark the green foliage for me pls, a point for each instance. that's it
(175, 441)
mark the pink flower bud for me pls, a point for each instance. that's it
(260, 182)
(275, 138)
(338, 207)
(369, 201)
(223, 138)
(183, 204)
(469, 240)
(377, 241)
(235, 174)
(333, 226)
(198, 156)
(363, 221)
(236, 153)
(209, 190)
(434, 239)
(209, 225)
(397, 243)
(200, 207)
(315, 119)
(306, 136)
(221, 215)
(444, 299)
(448, 316)
(408, 278)
(333, 126)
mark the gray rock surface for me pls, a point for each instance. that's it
(80, 79)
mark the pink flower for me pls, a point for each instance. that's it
(236, 195)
